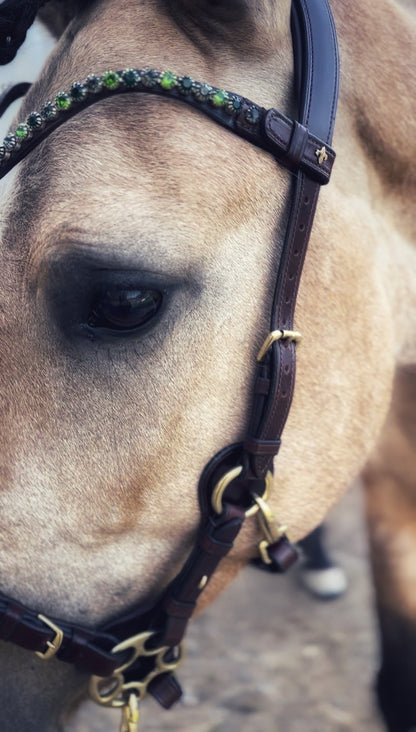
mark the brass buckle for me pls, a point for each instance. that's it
(272, 531)
(224, 482)
(277, 335)
(111, 691)
(53, 646)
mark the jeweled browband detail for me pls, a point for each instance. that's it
(290, 142)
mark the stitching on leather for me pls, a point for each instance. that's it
(277, 405)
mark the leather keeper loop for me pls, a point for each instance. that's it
(256, 446)
(166, 690)
(179, 609)
(297, 145)
(282, 555)
(211, 546)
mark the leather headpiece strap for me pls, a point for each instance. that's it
(140, 650)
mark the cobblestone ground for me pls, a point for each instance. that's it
(268, 657)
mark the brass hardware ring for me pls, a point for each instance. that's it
(110, 692)
(224, 482)
(268, 485)
(277, 335)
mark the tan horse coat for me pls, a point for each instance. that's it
(102, 444)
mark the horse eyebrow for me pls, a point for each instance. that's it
(223, 11)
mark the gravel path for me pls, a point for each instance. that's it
(268, 657)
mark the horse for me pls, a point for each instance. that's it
(105, 430)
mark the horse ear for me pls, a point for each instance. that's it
(16, 17)
(57, 14)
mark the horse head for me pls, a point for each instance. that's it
(140, 246)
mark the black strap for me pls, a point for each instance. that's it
(317, 64)
(11, 94)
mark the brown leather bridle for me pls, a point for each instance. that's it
(138, 652)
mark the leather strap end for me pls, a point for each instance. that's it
(165, 690)
(283, 554)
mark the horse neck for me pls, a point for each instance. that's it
(374, 137)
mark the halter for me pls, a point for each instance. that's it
(138, 652)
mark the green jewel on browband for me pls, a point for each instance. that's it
(218, 98)
(22, 131)
(63, 101)
(168, 80)
(222, 105)
(111, 80)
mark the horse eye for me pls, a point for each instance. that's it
(124, 310)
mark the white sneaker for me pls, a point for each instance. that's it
(326, 584)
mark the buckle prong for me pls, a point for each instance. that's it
(53, 646)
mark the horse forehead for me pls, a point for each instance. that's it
(114, 35)
(120, 34)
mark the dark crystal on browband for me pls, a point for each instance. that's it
(78, 92)
(149, 78)
(93, 83)
(48, 111)
(9, 142)
(218, 103)
(186, 84)
(252, 115)
(34, 120)
(131, 77)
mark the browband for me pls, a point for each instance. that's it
(291, 143)
(139, 651)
